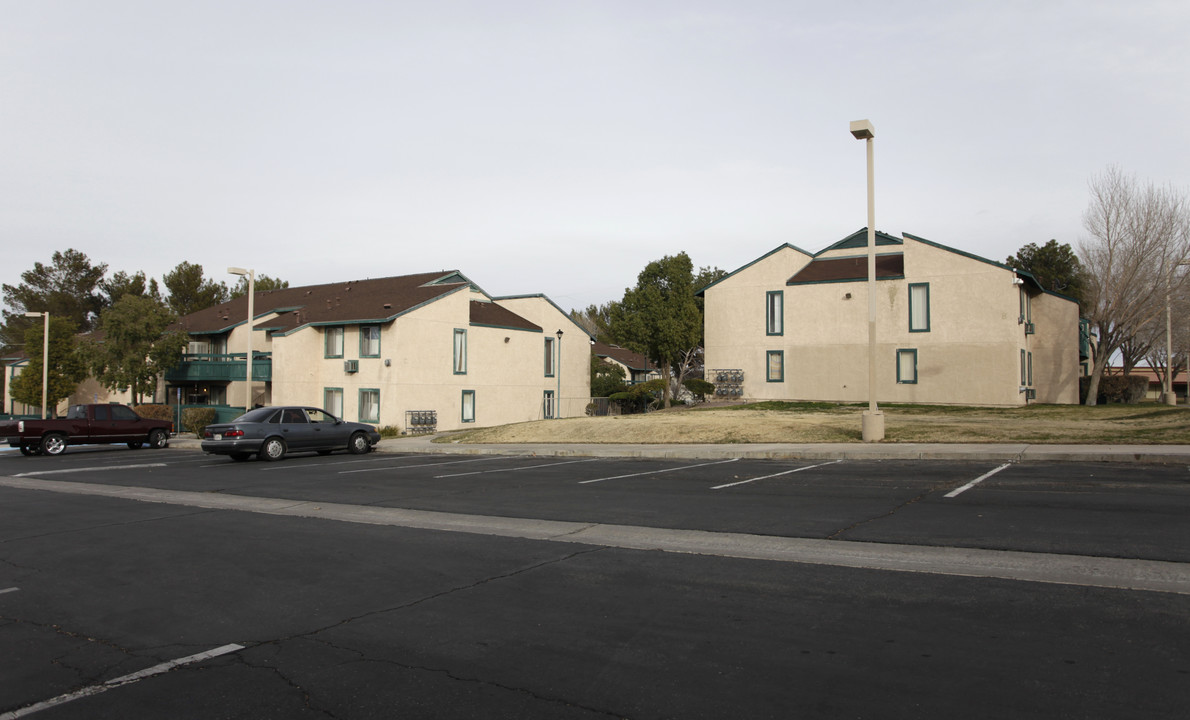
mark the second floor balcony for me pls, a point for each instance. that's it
(205, 367)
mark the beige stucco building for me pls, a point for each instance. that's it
(952, 328)
(416, 352)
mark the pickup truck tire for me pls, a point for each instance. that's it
(273, 449)
(53, 444)
(158, 439)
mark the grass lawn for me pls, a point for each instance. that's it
(789, 422)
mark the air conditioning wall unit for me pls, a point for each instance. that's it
(350, 366)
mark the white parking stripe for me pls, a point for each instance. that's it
(657, 472)
(766, 477)
(8, 590)
(958, 491)
(406, 467)
(117, 682)
(95, 468)
(526, 467)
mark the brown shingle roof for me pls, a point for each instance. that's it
(624, 356)
(489, 313)
(848, 269)
(356, 301)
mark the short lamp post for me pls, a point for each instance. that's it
(558, 372)
(45, 358)
(1169, 397)
(873, 419)
(251, 275)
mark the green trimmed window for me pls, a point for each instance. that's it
(919, 307)
(907, 366)
(468, 413)
(774, 366)
(549, 357)
(1024, 370)
(547, 403)
(460, 351)
(369, 405)
(369, 341)
(333, 342)
(774, 312)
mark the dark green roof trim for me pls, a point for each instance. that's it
(454, 276)
(742, 268)
(506, 327)
(859, 239)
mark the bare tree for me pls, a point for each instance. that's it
(1138, 235)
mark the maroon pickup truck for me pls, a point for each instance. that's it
(83, 425)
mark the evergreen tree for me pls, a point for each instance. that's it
(190, 292)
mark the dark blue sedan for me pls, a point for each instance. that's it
(271, 432)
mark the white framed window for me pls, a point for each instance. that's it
(907, 366)
(775, 366)
(919, 307)
(774, 313)
(548, 405)
(332, 401)
(369, 405)
(369, 341)
(460, 352)
(333, 344)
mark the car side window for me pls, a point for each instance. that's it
(293, 415)
(119, 412)
(77, 412)
(318, 416)
(101, 412)
(275, 418)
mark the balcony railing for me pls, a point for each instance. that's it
(205, 367)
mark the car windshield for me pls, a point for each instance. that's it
(257, 415)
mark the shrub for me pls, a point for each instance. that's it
(196, 419)
(1128, 389)
(699, 388)
(154, 412)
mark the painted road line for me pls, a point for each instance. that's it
(120, 681)
(8, 590)
(408, 467)
(657, 472)
(94, 468)
(766, 477)
(958, 491)
(346, 462)
(526, 467)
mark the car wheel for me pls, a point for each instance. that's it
(158, 439)
(239, 456)
(273, 449)
(27, 451)
(53, 444)
(358, 444)
(134, 445)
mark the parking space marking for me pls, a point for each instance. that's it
(657, 472)
(766, 477)
(93, 468)
(120, 681)
(526, 467)
(958, 491)
(407, 467)
(285, 466)
(9, 590)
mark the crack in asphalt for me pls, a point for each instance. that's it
(925, 493)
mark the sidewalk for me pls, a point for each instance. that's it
(1009, 452)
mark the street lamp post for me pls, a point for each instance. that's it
(1169, 398)
(251, 275)
(45, 358)
(873, 419)
(558, 372)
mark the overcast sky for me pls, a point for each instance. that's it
(559, 146)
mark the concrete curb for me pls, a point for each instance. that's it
(1008, 452)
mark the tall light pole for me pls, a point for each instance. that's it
(558, 372)
(251, 275)
(1170, 398)
(45, 358)
(873, 420)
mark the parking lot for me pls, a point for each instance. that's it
(455, 586)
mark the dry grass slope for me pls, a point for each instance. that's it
(773, 422)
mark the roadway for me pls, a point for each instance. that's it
(457, 586)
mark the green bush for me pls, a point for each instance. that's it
(154, 412)
(699, 388)
(196, 419)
